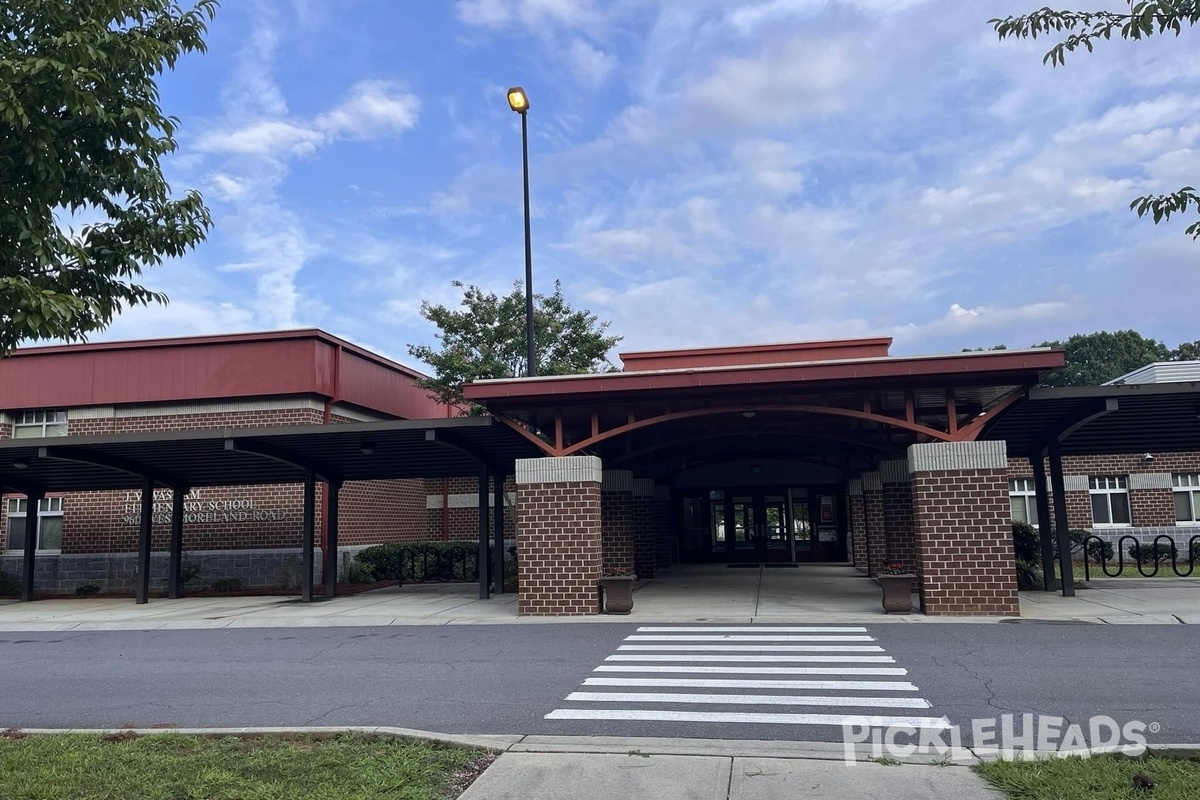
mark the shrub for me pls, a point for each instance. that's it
(87, 589)
(1195, 550)
(9, 584)
(227, 584)
(1100, 551)
(357, 572)
(1026, 544)
(1152, 554)
(417, 562)
(188, 572)
(1029, 576)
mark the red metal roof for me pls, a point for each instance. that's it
(999, 366)
(275, 363)
(744, 355)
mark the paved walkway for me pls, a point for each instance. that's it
(809, 593)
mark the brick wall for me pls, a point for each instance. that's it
(559, 536)
(664, 521)
(460, 522)
(617, 526)
(964, 534)
(873, 515)
(898, 513)
(858, 529)
(374, 512)
(645, 531)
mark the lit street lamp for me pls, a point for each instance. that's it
(518, 101)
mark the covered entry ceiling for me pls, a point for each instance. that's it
(849, 414)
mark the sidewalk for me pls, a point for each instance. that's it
(822, 595)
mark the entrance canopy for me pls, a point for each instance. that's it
(1101, 420)
(242, 457)
(842, 404)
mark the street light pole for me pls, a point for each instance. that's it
(530, 356)
(518, 101)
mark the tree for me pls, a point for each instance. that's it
(485, 338)
(1146, 18)
(81, 138)
(1096, 358)
(1188, 351)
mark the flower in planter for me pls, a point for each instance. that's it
(618, 572)
(893, 568)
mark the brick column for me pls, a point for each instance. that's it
(858, 525)
(1152, 502)
(645, 561)
(898, 514)
(558, 536)
(664, 526)
(964, 534)
(873, 517)
(616, 518)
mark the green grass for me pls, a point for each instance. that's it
(1098, 778)
(175, 767)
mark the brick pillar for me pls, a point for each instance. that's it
(898, 514)
(1152, 501)
(858, 525)
(872, 484)
(616, 518)
(558, 536)
(964, 534)
(664, 526)
(645, 530)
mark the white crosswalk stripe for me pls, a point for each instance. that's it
(662, 673)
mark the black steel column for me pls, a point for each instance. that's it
(1062, 526)
(33, 505)
(498, 538)
(306, 545)
(175, 569)
(331, 541)
(145, 523)
(483, 535)
(1045, 531)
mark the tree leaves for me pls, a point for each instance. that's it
(1145, 18)
(81, 132)
(1096, 358)
(484, 338)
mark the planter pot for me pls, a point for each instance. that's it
(897, 593)
(618, 594)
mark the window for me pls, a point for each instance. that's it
(1187, 499)
(49, 524)
(1110, 502)
(1022, 498)
(36, 424)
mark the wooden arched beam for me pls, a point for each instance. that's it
(834, 411)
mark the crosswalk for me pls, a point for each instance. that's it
(770, 675)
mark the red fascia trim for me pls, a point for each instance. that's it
(878, 341)
(950, 368)
(224, 338)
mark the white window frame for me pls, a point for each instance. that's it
(1107, 486)
(39, 423)
(1026, 489)
(17, 508)
(1188, 484)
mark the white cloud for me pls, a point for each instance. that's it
(537, 14)
(591, 65)
(372, 109)
(798, 78)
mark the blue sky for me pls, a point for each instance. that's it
(704, 171)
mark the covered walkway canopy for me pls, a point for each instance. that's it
(184, 460)
(1091, 420)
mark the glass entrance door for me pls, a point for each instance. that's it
(751, 526)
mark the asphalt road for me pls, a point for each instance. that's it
(506, 679)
